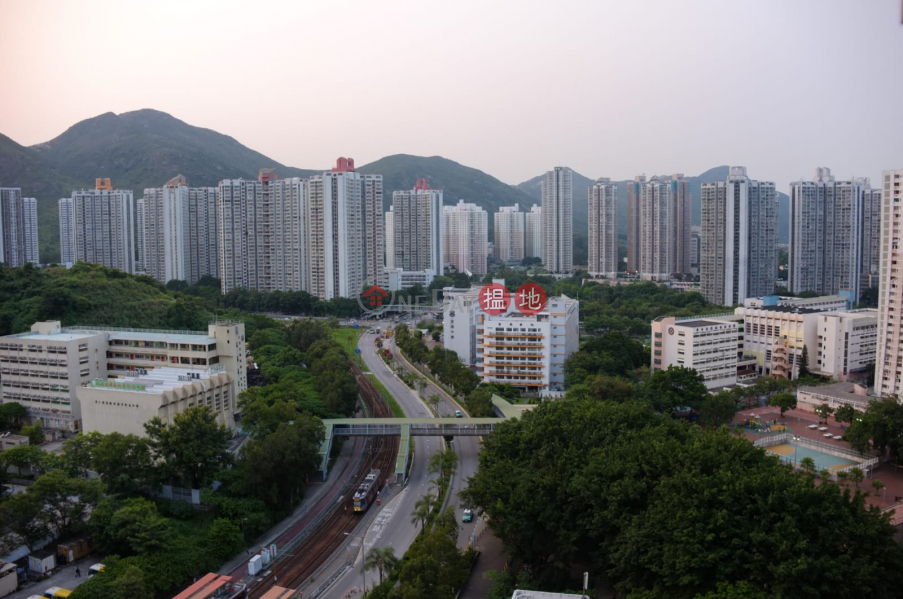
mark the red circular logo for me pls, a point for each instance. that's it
(494, 299)
(671, 331)
(530, 299)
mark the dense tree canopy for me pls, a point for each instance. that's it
(667, 510)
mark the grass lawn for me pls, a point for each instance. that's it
(347, 338)
(396, 409)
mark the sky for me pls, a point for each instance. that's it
(609, 88)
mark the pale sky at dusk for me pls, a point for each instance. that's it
(512, 88)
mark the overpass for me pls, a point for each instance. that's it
(417, 427)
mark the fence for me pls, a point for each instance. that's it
(863, 461)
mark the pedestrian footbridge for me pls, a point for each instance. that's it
(416, 427)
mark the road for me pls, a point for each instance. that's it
(392, 527)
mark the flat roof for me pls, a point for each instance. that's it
(840, 390)
(157, 380)
(792, 309)
(53, 337)
(167, 337)
(695, 324)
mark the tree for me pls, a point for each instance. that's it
(879, 486)
(23, 457)
(845, 413)
(422, 509)
(12, 414)
(34, 432)
(293, 447)
(224, 539)
(138, 528)
(785, 401)
(443, 463)
(856, 475)
(193, 447)
(825, 474)
(123, 462)
(421, 384)
(807, 464)
(677, 386)
(56, 503)
(824, 411)
(381, 559)
(717, 410)
(130, 583)
(77, 452)
(804, 364)
(434, 400)
(435, 569)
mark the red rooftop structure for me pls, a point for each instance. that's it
(344, 165)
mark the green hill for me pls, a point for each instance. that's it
(457, 182)
(91, 294)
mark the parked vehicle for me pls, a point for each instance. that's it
(56, 593)
(95, 569)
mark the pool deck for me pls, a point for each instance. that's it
(799, 420)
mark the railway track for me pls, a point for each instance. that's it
(295, 568)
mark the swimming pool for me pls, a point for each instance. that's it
(794, 453)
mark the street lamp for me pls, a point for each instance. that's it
(796, 439)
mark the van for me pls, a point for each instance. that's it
(458, 414)
(57, 593)
(95, 569)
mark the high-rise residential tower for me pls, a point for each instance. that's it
(262, 235)
(509, 234)
(140, 255)
(655, 215)
(417, 228)
(738, 238)
(18, 227)
(889, 361)
(345, 243)
(603, 228)
(681, 206)
(390, 238)
(634, 191)
(829, 220)
(533, 234)
(103, 226)
(557, 221)
(67, 232)
(466, 237)
(177, 231)
(871, 237)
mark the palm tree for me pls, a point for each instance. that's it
(879, 486)
(421, 384)
(738, 430)
(382, 559)
(434, 400)
(843, 476)
(422, 509)
(807, 464)
(825, 475)
(443, 463)
(857, 475)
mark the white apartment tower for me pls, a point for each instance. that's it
(871, 237)
(889, 362)
(18, 227)
(344, 221)
(656, 229)
(390, 238)
(466, 237)
(509, 234)
(141, 255)
(557, 221)
(417, 229)
(829, 221)
(262, 236)
(738, 238)
(103, 226)
(533, 235)
(603, 228)
(67, 232)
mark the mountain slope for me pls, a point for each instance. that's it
(457, 182)
(146, 148)
(25, 168)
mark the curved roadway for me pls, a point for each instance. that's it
(392, 526)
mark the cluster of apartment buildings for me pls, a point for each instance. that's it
(114, 380)
(525, 351)
(18, 227)
(767, 336)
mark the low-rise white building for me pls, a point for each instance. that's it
(43, 369)
(400, 278)
(824, 302)
(709, 345)
(124, 404)
(525, 351)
